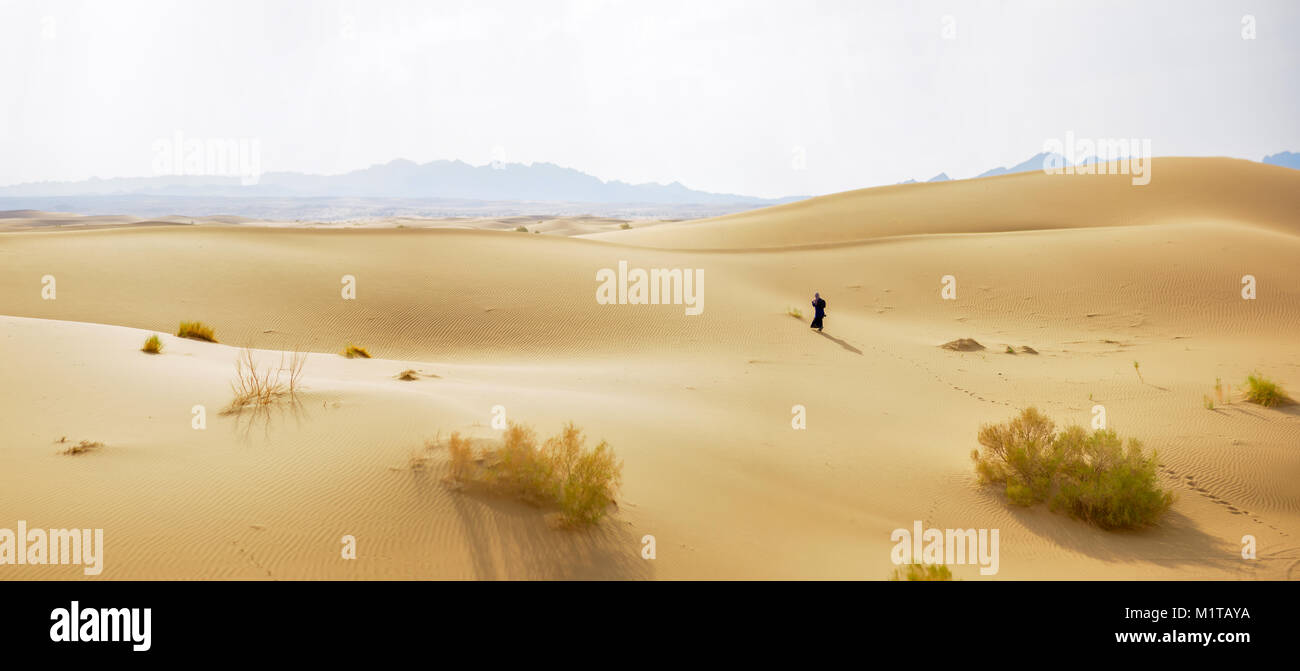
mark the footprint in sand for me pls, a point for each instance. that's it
(939, 378)
(1193, 485)
(248, 556)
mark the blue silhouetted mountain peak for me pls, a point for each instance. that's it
(1285, 159)
(402, 178)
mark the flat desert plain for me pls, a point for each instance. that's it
(1089, 271)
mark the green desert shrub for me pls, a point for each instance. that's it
(1093, 476)
(196, 331)
(921, 572)
(520, 469)
(795, 312)
(1107, 482)
(153, 345)
(625, 226)
(1019, 454)
(585, 481)
(1264, 391)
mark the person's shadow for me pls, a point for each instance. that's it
(841, 343)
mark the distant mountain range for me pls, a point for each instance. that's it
(405, 188)
(437, 180)
(1034, 162)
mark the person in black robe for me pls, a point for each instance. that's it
(819, 305)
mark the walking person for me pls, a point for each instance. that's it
(819, 307)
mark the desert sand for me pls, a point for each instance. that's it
(1089, 271)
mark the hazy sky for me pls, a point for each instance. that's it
(758, 98)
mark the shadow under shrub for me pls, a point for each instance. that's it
(1091, 476)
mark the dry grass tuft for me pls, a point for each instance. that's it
(408, 375)
(461, 455)
(419, 459)
(795, 312)
(260, 387)
(153, 345)
(1265, 392)
(196, 331)
(355, 352)
(562, 472)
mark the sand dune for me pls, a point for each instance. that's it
(1181, 190)
(1090, 274)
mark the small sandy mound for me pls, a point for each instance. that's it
(963, 345)
(83, 447)
(411, 374)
